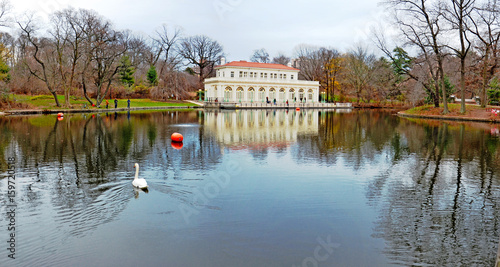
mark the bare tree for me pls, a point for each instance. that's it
(459, 16)
(420, 23)
(281, 59)
(5, 10)
(260, 55)
(309, 62)
(68, 36)
(485, 25)
(167, 39)
(103, 49)
(203, 53)
(358, 74)
(42, 55)
(320, 64)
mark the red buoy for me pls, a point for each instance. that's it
(60, 118)
(176, 145)
(177, 137)
(297, 109)
(60, 114)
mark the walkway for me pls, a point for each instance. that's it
(199, 103)
(260, 105)
(55, 111)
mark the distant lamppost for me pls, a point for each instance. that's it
(199, 95)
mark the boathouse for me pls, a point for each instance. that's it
(252, 82)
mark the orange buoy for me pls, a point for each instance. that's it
(177, 145)
(60, 114)
(297, 109)
(177, 137)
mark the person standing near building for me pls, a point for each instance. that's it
(128, 103)
(107, 104)
(116, 103)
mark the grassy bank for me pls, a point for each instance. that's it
(47, 102)
(473, 112)
(454, 109)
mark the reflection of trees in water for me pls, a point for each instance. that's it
(435, 191)
(446, 212)
(79, 166)
(359, 136)
(5, 137)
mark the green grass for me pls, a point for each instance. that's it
(431, 110)
(148, 111)
(47, 102)
(420, 109)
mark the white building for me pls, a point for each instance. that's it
(250, 82)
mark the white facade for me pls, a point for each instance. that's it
(247, 82)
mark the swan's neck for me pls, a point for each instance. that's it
(136, 173)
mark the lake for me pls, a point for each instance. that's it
(248, 188)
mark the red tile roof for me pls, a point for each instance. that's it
(246, 64)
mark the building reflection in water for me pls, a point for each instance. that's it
(256, 129)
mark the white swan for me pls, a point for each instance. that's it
(139, 182)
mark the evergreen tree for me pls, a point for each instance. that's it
(401, 63)
(494, 92)
(152, 76)
(4, 78)
(126, 71)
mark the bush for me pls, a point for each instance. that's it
(494, 92)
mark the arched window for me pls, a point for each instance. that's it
(239, 94)
(272, 94)
(262, 94)
(301, 94)
(310, 95)
(291, 94)
(282, 94)
(251, 94)
(228, 94)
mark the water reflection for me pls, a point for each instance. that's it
(76, 174)
(429, 189)
(433, 183)
(446, 204)
(260, 129)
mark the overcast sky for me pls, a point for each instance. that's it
(240, 26)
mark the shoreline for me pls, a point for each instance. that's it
(75, 111)
(447, 118)
(70, 111)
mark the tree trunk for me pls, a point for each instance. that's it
(67, 96)
(485, 78)
(462, 85)
(436, 97)
(54, 94)
(85, 92)
(441, 84)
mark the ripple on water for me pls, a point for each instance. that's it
(56, 227)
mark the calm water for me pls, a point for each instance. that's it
(249, 188)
